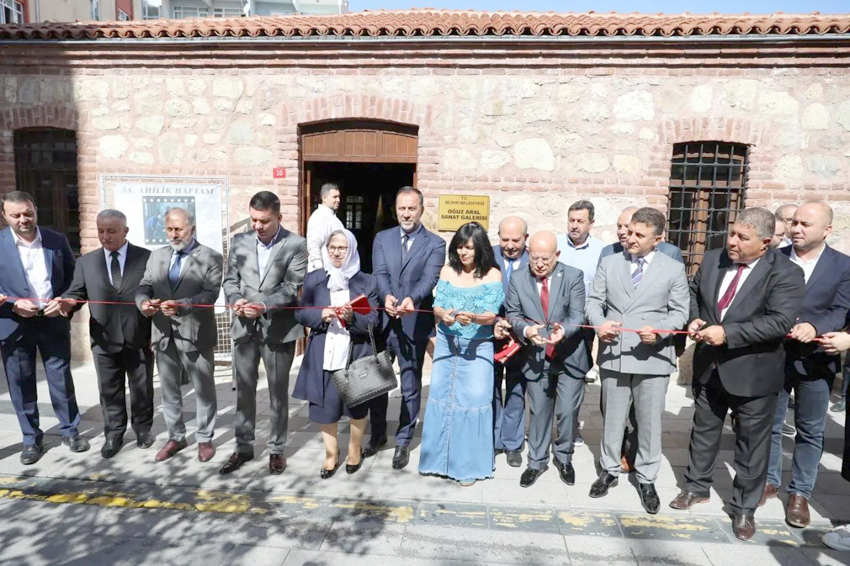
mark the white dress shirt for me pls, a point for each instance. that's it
(729, 276)
(808, 266)
(646, 261)
(35, 268)
(122, 259)
(264, 252)
(337, 340)
(186, 251)
(322, 223)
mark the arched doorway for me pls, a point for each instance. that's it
(369, 160)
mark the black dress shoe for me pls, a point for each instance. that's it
(144, 440)
(111, 447)
(530, 475)
(235, 462)
(350, 469)
(567, 473)
(499, 451)
(743, 525)
(76, 443)
(373, 445)
(325, 474)
(687, 499)
(31, 453)
(514, 458)
(603, 483)
(649, 498)
(277, 464)
(401, 457)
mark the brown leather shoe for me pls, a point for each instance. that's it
(687, 499)
(205, 451)
(770, 492)
(171, 448)
(277, 463)
(743, 525)
(797, 512)
(235, 462)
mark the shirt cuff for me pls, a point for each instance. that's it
(525, 332)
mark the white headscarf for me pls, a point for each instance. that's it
(339, 276)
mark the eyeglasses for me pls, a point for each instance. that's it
(334, 249)
(540, 259)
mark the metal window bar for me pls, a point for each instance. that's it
(707, 190)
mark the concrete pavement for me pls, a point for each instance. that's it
(81, 509)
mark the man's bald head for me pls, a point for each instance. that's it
(623, 222)
(543, 253)
(810, 226)
(513, 232)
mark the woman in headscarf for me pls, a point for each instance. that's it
(333, 330)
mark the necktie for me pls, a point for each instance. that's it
(638, 274)
(544, 302)
(404, 240)
(174, 272)
(115, 270)
(510, 269)
(729, 295)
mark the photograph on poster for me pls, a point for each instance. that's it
(155, 209)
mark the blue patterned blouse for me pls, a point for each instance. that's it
(487, 297)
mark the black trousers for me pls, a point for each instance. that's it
(137, 365)
(752, 442)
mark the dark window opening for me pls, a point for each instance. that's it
(46, 168)
(707, 185)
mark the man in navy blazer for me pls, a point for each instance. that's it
(809, 371)
(406, 261)
(38, 268)
(509, 409)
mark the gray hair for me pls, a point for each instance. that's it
(411, 190)
(761, 219)
(652, 217)
(111, 213)
(327, 188)
(190, 218)
(523, 222)
(584, 205)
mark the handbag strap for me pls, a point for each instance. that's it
(351, 348)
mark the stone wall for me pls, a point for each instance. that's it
(534, 138)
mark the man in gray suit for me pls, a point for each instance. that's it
(641, 289)
(544, 308)
(265, 270)
(177, 277)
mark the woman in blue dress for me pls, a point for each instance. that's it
(457, 435)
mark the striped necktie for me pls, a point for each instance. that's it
(638, 274)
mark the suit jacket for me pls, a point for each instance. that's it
(825, 307)
(665, 248)
(566, 306)
(765, 308)
(661, 300)
(415, 278)
(500, 263)
(310, 383)
(13, 279)
(111, 327)
(192, 329)
(278, 286)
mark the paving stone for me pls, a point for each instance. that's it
(439, 514)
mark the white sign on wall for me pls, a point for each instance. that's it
(146, 203)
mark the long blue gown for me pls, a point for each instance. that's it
(457, 435)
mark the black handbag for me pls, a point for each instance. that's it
(365, 378)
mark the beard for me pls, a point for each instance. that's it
(181, 245)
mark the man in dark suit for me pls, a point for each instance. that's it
(544, 308)
(509, 410)
(744, 300)
(177, 277)
(407, 260)
(120, 334)
(265, 270)
(38, 265)
(809, 371)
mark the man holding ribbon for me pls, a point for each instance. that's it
(744, 300)
(181, 282)
(545, 308)
(643, 290)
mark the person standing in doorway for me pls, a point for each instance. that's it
(407, 261)
(322, 223)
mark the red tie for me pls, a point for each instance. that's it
(729, 295)
(544, 302)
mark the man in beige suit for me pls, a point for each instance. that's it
(178, 276)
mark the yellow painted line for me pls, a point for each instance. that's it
(400, 513)
(660, 522)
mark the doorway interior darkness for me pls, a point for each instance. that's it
(368, 193)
